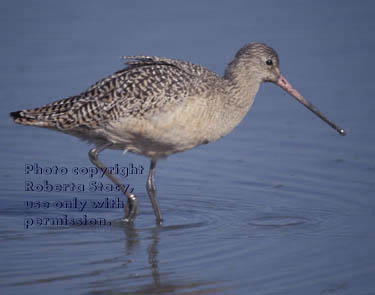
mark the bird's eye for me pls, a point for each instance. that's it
(269, 62)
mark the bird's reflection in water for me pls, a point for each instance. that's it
(161, 283)
(132, 238)
(152, 250)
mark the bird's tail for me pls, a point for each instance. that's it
(30, 118)
(48, 116)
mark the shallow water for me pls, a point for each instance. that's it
(282, 205)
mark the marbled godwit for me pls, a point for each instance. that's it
(160, 106)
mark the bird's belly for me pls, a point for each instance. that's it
(166, 132)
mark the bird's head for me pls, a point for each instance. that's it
(260, 61)
(257, 63)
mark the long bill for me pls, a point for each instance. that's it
(284, 84)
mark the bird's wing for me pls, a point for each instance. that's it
(147, 84)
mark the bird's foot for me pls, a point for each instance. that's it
(159, 221)
(131, 209)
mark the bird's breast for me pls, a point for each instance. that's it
(172, 129)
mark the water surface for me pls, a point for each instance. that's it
(282, 205)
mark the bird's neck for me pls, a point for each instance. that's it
(242, 85)
(239, 93)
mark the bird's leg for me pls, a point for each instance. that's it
(131, 209)
(151, 189)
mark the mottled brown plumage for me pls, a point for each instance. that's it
(160, 106)
(147, 84)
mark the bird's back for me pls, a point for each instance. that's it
(147, 85)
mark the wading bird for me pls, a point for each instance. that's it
(159, 106)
